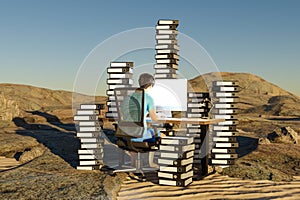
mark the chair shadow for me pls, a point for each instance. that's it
(60, 142)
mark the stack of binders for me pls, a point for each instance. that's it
(198, 107)
(120, 74)
(176, 161)
(224, 133)
(166, 49)
(90, 134)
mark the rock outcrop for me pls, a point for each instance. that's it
(17, 100)
(257, 96)
(30, 154)
(284, 135)
(9, 108)
(263, 141)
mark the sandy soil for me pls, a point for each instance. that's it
(8, 163)
(214, 186)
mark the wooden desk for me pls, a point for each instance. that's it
(204, 137)
(199, 121)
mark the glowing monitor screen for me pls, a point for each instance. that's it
(170, 94)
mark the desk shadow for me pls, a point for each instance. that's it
(246, 145)
(60, 142)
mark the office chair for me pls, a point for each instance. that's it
(131, 126)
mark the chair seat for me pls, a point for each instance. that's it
(127, 144)
(131, 131)
(143, 145)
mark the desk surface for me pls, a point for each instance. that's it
(188, 120)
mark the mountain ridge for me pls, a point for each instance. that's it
(257, 96)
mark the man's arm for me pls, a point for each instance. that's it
(153, 115)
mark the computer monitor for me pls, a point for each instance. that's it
(170, 94)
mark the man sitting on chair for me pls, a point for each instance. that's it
(146, 82)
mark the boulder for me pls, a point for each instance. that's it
(284, 135)
(263, 141)
(30, 154)
(219, 169)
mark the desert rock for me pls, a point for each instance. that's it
(284, 135)
(263, 141)
(31, 154)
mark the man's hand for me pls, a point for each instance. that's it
(162, 135)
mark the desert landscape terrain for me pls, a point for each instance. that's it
(38, 149)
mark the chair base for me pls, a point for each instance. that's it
(135, 170)
(124, 167)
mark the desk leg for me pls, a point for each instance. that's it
(205, 147)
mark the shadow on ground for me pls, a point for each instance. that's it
(284, 118)
(246, 145)
(60, 138)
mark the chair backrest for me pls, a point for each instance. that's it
(130, 103)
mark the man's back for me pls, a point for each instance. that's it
(132, 108)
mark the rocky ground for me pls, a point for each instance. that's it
(48, 154)
(36, 128)
(277, 161)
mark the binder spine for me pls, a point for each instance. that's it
(176, 160)
(225, 143)
(197, 107)
(166, 49)
(90, 134)
(120, 75)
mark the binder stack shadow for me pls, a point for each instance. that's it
(59, 137)
(246, 145)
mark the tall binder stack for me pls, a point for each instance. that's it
(176, 161)
(198, 107)
(120, 74)
(224, 133)
(166, 49)
(90, 134)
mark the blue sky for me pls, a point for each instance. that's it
(43, 43)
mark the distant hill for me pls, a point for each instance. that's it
(257, 96)
(16, 100)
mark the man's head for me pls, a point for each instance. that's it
(146, 80)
